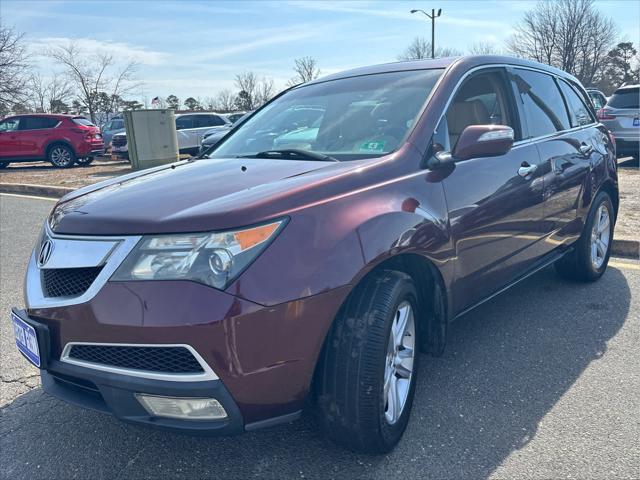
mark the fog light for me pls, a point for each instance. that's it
(182, 408)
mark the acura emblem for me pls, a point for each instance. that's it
(45, 252)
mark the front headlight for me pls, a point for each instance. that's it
(214, 258)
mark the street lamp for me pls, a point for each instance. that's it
(433, 17)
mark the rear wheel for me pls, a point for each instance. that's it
(589, 259)
(61, 156)
(367, 380)
(4, 164)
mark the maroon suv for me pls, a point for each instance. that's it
(314, 260)
(60, 139)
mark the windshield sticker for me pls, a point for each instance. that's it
(372, 147)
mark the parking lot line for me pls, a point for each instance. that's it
(19, 195)
(624, 265)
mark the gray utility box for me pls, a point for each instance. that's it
(151, 137)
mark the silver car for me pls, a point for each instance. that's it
(621, 115)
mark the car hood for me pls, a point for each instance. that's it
(190, 196)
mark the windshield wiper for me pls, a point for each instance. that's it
(293, 154)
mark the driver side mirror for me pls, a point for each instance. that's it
(483, 141)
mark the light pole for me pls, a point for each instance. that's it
(433, 17)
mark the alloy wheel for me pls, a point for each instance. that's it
(600, 236)
(60, 157)
(399, 362)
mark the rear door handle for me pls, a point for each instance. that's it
(526, 169)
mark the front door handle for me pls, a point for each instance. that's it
(586, 150)
(526, 169)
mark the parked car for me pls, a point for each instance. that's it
(598, 99)
(190, 129)
(62, 140)
(109, 129)
(213, 296)
(621, 115)
(213, 136)
(235, 116)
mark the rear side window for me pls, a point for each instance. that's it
(543, 105)
(83, 121)
(625, 98)
(37, 123)
(578, 111)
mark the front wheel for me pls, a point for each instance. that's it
(61, 156)
(370, 360)
(4, 164)
(589, 259)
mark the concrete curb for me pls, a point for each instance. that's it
(619, 248)
(35, 190)
(625, 248)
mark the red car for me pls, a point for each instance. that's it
(61, 139)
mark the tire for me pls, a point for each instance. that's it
(61, 156)
(356, 360)
(587, 262)
(4, 165)
(84, 161)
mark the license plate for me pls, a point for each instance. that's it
(26, 339)
(636, 122)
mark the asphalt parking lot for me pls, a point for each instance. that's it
(541, 382)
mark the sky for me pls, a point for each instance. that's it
(195, 48)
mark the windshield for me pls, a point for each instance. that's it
(349, 118)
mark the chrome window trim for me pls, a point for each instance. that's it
(510, 65)
(34, 294)
(207, 375)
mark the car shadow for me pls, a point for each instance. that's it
(506, 365)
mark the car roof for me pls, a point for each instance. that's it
(49, 115)
(470, 61)
(627, 87)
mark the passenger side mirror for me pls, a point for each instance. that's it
(483, 141)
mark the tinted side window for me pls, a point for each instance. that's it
(482, 100)
(117, 124)
(184, 122)
(208, 121)
(543, 105)
(578, 111)
(35, 123)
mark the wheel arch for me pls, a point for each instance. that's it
(610, 188)
(53, 143)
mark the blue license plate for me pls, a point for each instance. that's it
(26, 339)
(636, 122)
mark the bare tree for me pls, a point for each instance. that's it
(420, 48)
(569, 34)
(246, 83)
(49, 94)
(264, 91)
(484, 48)
(225, 101)
(306, 69)
(93, 74)
(13, 69)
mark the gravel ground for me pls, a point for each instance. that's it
(628, 224)
(542, 382)
(42, 173)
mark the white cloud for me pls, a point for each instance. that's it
(122, 52)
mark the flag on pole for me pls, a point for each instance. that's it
(155, 101)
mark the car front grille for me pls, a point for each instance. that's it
(151, 359)
(119, 141)
(68, 282)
